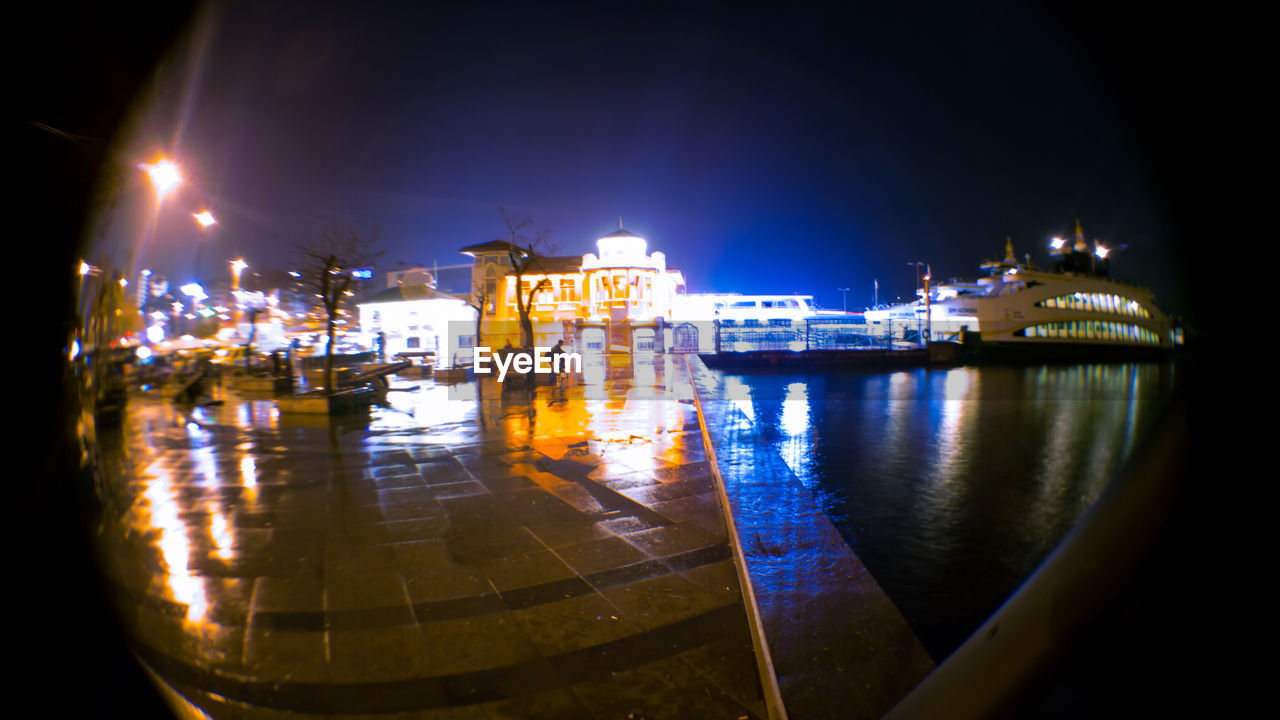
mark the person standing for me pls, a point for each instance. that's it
(557, 352)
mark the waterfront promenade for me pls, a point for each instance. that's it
(839, 646)
(448, 557)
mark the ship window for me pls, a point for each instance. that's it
(1096, 330)
(1096, 302)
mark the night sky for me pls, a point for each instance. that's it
(770, 148)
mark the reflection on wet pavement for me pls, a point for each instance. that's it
(839, 646)
(467, 550)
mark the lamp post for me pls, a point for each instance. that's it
(844, 303)
(928, 319)
(237, 266)
(915, 289)
(205, 220)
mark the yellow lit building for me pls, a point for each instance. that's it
(619, 299)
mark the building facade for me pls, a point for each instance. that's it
(619, 299)
(419, 319)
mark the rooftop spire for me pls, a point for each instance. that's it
(1008, 250)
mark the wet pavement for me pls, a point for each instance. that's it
(839, 646)
(465, 552)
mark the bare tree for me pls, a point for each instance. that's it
(524, 255)
(327, 267)
(479, 298)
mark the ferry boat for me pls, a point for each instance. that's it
(1073, 312)
(735, 307)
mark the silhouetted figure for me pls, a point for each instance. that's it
(557, 351)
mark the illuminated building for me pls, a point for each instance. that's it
(619, 299)
(415, 317)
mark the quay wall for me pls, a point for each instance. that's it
(838, 645)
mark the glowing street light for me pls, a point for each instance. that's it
(237, 266)
(164, 176)
(205, 218)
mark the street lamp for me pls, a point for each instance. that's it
(915, 290)
(205, 219)
(917, 266)
(164, 176)
(928, 317)
(237, 266)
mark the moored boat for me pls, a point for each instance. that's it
(1075, 311)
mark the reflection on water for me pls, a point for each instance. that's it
(953, 485)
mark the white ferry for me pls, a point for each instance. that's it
(695, 316)
(759, 309)
(1074, 311)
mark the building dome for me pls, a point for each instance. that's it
(622, 247)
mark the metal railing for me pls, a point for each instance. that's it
(816, 334)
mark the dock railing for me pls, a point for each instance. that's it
(816, 333)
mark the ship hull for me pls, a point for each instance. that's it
(1060, 352)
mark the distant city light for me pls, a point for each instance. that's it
(205, 218)
(155, 333)
(194, 291)
(144, 352)
(1101, 252)
(1057, 243)
(85, 268)
(362, 274)
(74, 352)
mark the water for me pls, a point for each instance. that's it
(953, 485)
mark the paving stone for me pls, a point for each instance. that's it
(440, 570)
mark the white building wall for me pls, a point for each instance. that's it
(438, 325)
